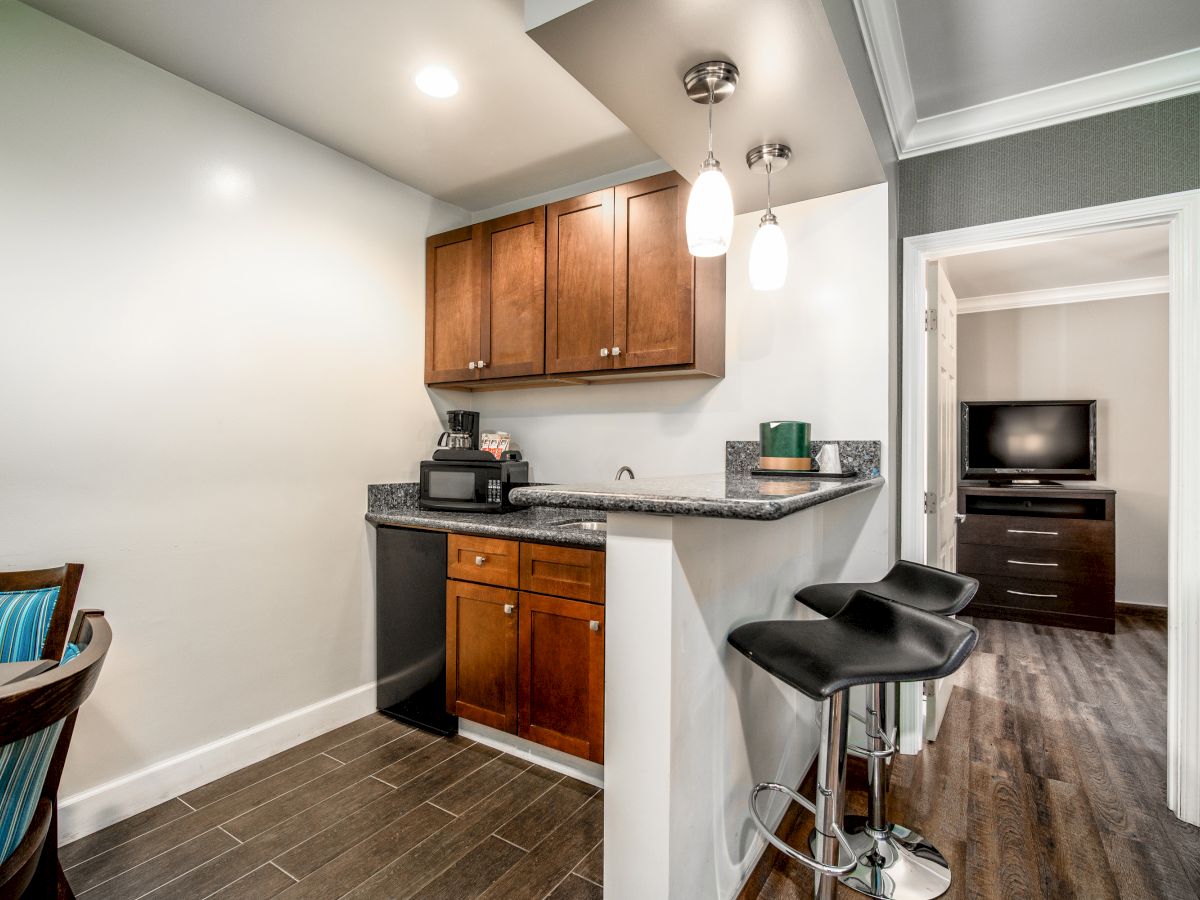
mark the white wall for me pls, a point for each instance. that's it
(1113, 351)
(211, 334)
(817, 351)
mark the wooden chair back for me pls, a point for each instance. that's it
(27, 707)
(66, 579)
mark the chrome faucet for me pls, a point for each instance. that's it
(621, 471)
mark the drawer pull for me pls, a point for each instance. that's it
(1021, 562)
(594, 625)
(1027, 594)
(508, 609)
(1025, 531)
(480, 560)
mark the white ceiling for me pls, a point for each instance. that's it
(632, 54)
(952, 72)
(342, 74)
(1105, 258)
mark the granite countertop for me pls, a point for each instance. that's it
(396, 504)
(718, 495)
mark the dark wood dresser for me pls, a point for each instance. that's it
(1042, 554)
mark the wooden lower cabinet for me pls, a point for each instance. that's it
(481, 654)
(561, 675)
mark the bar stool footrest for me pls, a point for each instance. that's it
(846, 850)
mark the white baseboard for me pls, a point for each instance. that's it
(546, 757)
(93, 809)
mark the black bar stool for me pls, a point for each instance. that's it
(871, 640)
(895, 862)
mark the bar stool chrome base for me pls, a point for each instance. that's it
(897, 864)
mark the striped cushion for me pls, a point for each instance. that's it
(23, 766)
(24, 623)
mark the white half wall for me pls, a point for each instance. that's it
(816, 351)
(211, 341)
(1111, 351)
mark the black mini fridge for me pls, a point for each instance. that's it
(410, 628)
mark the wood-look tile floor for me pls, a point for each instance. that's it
(371, 810)
(1048, 779)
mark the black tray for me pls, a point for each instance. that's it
(802, 473)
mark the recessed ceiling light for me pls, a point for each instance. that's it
(437, 81)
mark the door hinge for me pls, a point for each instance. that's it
(931, 320)
(930, 502)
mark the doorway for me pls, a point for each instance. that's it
(921, 439)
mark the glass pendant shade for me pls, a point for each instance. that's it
(768, 257)
(710, 213)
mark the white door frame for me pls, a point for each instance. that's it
(1181, 213)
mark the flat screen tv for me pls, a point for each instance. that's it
(1028, 440)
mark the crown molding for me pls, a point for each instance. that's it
(1079, 293)
(1135, 85)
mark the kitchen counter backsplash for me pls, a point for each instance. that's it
(385, 497)
(863, 457)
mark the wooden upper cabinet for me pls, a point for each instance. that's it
(580, 262)
(598, 287)
(654, 301)
(451, 306)
(513, 294)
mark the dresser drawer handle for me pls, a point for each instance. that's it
(480, 560)
(1024, 531)
(1021, 562)
(1027, 594)
(508, 609)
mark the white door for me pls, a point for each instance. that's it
(941, 482)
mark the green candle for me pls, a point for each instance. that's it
(784, 439)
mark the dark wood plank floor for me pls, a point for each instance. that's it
(372, 810)
(1048, 779)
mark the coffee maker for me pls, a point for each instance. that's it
(463, 433)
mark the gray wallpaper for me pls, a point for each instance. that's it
(1123, 155)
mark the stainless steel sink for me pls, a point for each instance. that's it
(586, 526)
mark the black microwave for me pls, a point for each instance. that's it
(470, 485)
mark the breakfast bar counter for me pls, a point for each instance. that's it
(689, 724)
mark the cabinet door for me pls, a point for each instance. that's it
(579, 283)
(562, 675)
(655, 308)
(451, 306)
(481, 654)
(513, 294)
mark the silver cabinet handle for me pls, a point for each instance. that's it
(1026, 531)
(616, 351)
(471, 365)
(960, 517)
(604, 351)
(594, 625)
(508, 609)
(480, 560)
(481, 364)
(1027, 594)
(1021, 562)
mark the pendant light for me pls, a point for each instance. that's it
(769, 252)
(710, 206)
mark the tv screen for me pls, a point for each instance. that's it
(1032, 439)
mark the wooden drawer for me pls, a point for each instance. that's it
(563, 572)
(1033, 564)
(483, 560)
(1037, 532)
(1091, 598)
